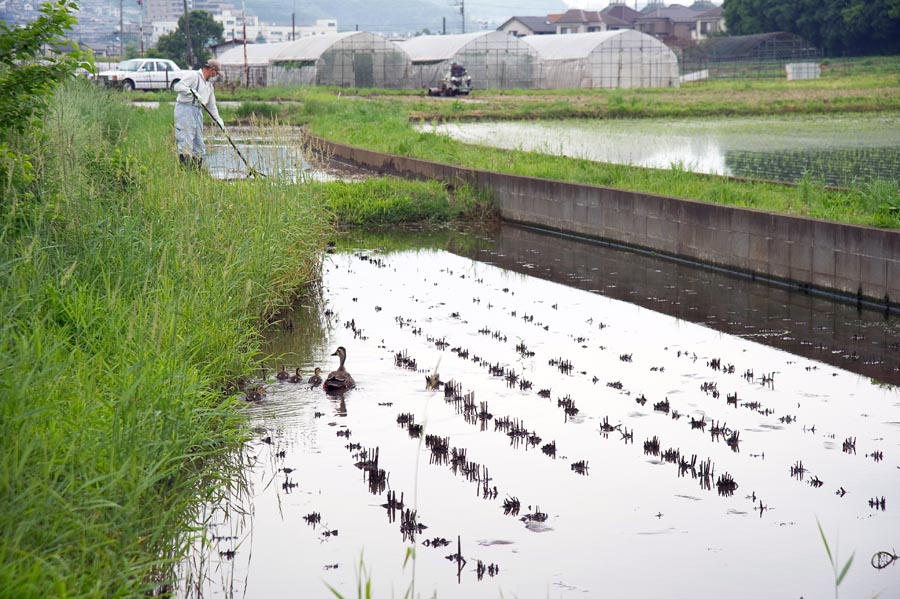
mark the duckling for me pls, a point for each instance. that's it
(282, 374)
(339, 380)
(255, 394)
(296, 377)
(316, 379)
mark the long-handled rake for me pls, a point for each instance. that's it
(253, 172)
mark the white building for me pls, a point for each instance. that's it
(233, 27)
(164, 10)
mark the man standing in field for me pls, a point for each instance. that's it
(194, 92)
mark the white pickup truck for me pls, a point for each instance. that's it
(143, 73)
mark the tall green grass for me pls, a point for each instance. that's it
(132, 295)
(388, 201)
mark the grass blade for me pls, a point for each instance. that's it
(840, 578)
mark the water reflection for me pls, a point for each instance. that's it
(838, 149)
(866, 342)
(640, 441)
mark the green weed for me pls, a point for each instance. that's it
(882, 199)
(258, 110)
(835, 562)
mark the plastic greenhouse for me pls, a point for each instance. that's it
(349, 59)
(494, 59)
(259, 59)
(607, 59)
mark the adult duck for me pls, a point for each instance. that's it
(296, 377)
(340, 380)
(316, 379)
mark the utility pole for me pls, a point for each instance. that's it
(293, 27)
(246, 65)
(141, 24)
(187, 35)
(462, 11)
(121, 33)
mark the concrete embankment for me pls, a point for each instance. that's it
(851, 262)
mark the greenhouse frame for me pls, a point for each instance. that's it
(760, 55)
(622, 58)
(259, 61)
(493, 59)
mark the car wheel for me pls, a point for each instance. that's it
(173, 83)
(128, 85)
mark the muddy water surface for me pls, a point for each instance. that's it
(611, 449)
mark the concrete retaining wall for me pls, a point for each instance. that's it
(856, 263)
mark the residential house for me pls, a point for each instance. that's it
(620, 10)
(522, 26)
(679, 25)
(709, 23)
(587, 21)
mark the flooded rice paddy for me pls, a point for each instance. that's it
(834, 149)
(609, 425)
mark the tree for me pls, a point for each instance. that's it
(131, 51)
(204, 32)
(839, 27)
(30, 67)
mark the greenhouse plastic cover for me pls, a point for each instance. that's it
(312, 47)
(256, 53)
(428, 48)
(580, 45)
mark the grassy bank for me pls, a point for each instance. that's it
(132, 297)
(385, 120)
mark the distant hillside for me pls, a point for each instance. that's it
(398, 16)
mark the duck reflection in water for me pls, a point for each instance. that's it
(340, 409)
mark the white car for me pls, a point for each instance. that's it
(143, 73)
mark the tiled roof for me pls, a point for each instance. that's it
(621, 11)
(576, 15)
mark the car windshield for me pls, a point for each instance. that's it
(130, 65)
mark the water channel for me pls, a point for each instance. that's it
(630, 428)
(836, 149)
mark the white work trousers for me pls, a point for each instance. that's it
(189, 130)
